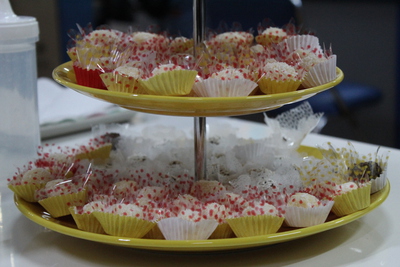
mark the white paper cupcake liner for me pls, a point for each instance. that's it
(305, 217)
(251, 152)
(306, 42)
(213, 87)
(321, 73)
(180, 229)
(378, 183)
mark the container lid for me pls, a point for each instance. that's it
(15, 28)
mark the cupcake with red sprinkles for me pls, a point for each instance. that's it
(169, 79)
(229, 82)
(304, 210)
(125, 220)
(258, 218)
(279, 77)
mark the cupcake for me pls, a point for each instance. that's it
(304, 210)
(84, 218)
(300, 42)
(97, 154)
(219, 213)
(97, 52)
(351, 197)
(259, 218)
(59, 195)
(188, 225)
(371, 168)
(271, 36)
(229, 82)
(180, 45)
(230, 42)
(205, 190)
(170, 79)
(25, 184)
(279, 77)
(321, 73)
(125, 220)
(124, 79)
(124, 190)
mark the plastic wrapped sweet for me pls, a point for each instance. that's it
(170, 79)
(124, 79)
(188, 225)
(31, 181)
(84, 217)
(258, 218)
(304, 210)
(125, 220)
(48, 166)
(355, 198)
(229, 82)
(58, 195)
(279, 77)
(358, 168)
(271, 35)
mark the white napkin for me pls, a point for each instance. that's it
(57, 103)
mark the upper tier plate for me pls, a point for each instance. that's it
(191, 106)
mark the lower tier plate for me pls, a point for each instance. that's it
(66, 225)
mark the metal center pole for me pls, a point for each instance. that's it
(200, 154)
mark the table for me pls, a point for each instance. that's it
(370, 241)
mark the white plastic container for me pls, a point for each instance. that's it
(19, 118)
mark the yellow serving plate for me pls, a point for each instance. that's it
(191, 106)
(67, 226)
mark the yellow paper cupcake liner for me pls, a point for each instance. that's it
(172, 83)
(98, 155)
(255, 225)
(26, 191)
(154, 233)
(58, 206)
(268, 86)
(87, 222)
(223, 230)
(119, 83)
(124, 226)
(352, 201)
